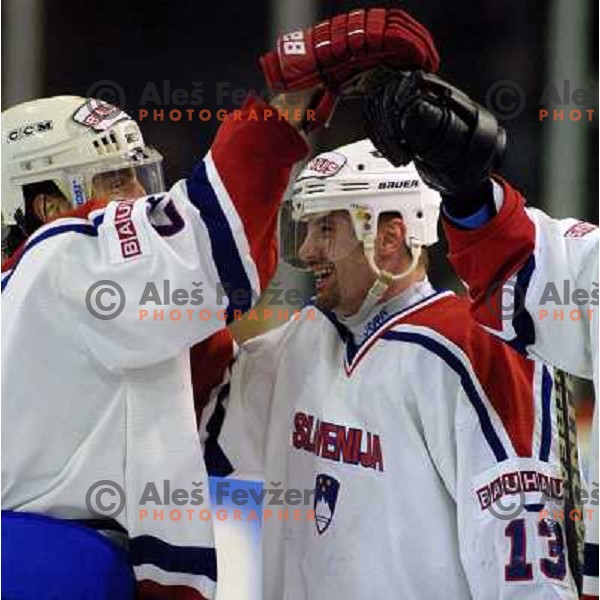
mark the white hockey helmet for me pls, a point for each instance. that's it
(357, 179)
(70, 140)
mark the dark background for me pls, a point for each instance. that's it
(137, 44)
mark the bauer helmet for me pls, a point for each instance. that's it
(356, 178)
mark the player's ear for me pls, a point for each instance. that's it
(390, 235)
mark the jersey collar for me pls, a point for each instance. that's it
(386, 317)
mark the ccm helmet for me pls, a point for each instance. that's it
(70, 141)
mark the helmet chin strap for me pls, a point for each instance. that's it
(383, 278)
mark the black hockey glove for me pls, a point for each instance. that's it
(454, 142)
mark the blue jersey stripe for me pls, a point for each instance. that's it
(459, 368)
(217, 463)
(522, 321)
(232, 274)
(590, 562)
(84, 228)
(546, 441)
(195, 560)
(352, 348)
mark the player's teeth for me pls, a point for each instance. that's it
(322, 273)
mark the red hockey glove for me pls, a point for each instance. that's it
(339, 49)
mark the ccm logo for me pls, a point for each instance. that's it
(293, 43)
(30, 129)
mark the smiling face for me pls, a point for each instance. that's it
(343, 276)
(332, 252)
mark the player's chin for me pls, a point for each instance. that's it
(327, 299)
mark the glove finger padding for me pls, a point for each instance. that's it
(383, 110)
(454, 142)
(338, 49)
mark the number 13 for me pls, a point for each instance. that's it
(518, 569)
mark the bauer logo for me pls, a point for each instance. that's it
(326, 493)
(407, 184)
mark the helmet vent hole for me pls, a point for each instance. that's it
(349, 186)
(360, 166)
(315, 188)
(419, 214)
(100, 150)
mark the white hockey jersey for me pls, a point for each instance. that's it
(427, 447)
(93, 388)
(545, 273)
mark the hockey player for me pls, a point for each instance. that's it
(110, 398)
(404, 422)
(533, 280)
(92, 394)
